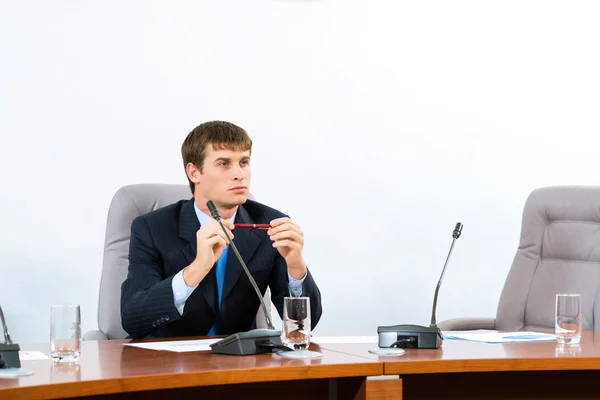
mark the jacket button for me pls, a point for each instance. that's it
(154, 324)
(167, 318)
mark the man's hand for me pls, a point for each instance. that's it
(210, 242)
(288, 239)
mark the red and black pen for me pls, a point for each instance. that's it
(255, 226)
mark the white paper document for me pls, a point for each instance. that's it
(180, 346)
(501, 337)
(343, 339)
(32, 356)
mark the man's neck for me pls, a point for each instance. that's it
(224, 212)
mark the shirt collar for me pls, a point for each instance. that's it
(206, 219)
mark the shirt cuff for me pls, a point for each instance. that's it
(295, 285)
(181, 291)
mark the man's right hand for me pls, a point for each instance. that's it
(210, 242)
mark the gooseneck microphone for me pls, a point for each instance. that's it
(417, 336)
(215, 214)
(5, 328)
(254, 341)
(9, 352)
(455, 235)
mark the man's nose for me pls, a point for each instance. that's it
(238, 173)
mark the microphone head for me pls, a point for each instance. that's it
(457, 230)
(213, 210)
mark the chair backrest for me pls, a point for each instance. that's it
(128, 203)
(559, 252)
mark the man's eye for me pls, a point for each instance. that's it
(223, 163)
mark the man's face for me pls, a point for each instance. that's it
(225, 177)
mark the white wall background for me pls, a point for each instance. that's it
(377, 125)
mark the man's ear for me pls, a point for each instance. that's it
(193, 172)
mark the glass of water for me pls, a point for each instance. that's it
(296, 322)
(569, 322)
(65, 333)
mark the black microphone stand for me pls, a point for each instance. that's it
(255, 341)
(417, 336)
(9, 352)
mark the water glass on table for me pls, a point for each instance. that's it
(65, 333)
(569, 321)
(296, 322)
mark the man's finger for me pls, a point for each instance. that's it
(222, 234)
(284, 227)
(217, 240)
(295, 236)
(228, 224)
(219, 233)
(287, 243)
(280, 221)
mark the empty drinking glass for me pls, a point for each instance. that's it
(65, 333)
(569, 322)
(296, 322)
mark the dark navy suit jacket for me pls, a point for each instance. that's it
(163, 242)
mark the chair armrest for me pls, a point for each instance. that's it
(95, 335)
(467, 324)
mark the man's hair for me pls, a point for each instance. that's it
(220, 134)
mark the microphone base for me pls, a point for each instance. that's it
(255, 341)
(9, 356)
(410, 337)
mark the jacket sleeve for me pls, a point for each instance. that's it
(147, 300)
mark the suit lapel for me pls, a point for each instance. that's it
(188, 226)
(247, 243)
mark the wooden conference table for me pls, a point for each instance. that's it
(458, 370)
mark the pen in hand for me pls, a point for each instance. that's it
(255, 226)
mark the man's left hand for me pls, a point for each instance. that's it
(288, 239)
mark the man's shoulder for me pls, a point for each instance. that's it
(261, 212)
(162, 215)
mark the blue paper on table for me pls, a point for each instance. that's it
(501, 337)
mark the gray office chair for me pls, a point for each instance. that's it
(128, 203)
(559, 252)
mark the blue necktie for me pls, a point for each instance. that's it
(220, 274)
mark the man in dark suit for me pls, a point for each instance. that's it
(182, 278)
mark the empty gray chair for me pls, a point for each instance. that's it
(128, 203)
(559, 252)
